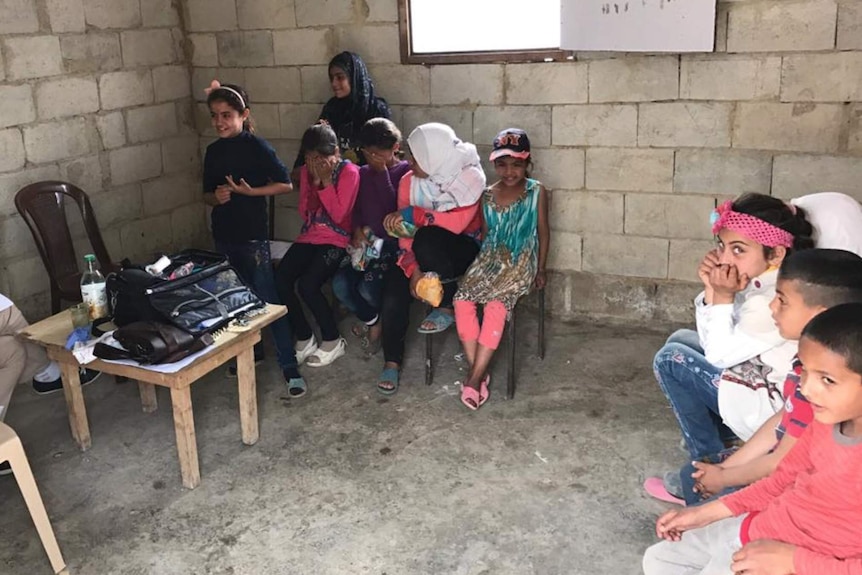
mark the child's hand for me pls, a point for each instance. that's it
(391, 222)
(764, 557)
(726, 281)
(241, 188)
(325, 169)
(674, 523)
(541, 279)
(360, 239)
(376, 161)
(222, 194)
(709, 478)
(710, 261)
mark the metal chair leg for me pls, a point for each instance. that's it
(541, 323)
(510, 361)
(429, 368)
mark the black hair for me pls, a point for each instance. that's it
(781, 215)
(839, 329)
(230, 98)
(319, 138)
(825, 277)
(380, 133)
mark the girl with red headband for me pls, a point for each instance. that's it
(736, 339)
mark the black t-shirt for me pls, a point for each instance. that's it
(248, 157)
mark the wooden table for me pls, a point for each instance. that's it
(51, 333)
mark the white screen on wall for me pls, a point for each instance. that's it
(638, 25)
(483, 25)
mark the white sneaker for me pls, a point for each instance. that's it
(302, 354)
(321, 358)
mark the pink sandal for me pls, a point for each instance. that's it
(654, 486)
(484, 393)
(470, 397)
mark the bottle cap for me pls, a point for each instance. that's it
(90, 258)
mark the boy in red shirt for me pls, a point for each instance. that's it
(806, 518)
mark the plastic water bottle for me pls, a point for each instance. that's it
(93, 290)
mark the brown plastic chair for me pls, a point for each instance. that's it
(12, 451)
(43, 207)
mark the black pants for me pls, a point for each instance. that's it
(436, 250)
(302, 273)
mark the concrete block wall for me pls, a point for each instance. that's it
(637, 148)
(97, 92)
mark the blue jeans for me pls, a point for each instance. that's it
(690, 384)
(362, 291)
(253, 263)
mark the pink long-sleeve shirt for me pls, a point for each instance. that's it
(813, 500)
(327, 213)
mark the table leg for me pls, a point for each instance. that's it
(247, 396)
(149, 401)
(187, 446)
(75, 404)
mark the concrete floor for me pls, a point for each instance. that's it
(345, 481)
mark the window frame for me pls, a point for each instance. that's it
(478, 57)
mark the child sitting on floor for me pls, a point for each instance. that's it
(515, 238)
(806, 518)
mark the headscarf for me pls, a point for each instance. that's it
(836, 219)
(348, 115)
(455, 176)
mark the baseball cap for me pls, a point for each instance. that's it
(511, 142)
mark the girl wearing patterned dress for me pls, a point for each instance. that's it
(511, 261)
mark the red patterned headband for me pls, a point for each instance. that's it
(751, 227)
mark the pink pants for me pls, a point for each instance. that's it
(493, 322)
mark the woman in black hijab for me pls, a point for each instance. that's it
(353, 103)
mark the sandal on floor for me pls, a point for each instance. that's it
(363, 331)
(440, 319)
(305, 353)
(389, 375)
(360, 330)
(654, 486)
(296, 387)
(470, 397)
(322, 358)
(484, 393)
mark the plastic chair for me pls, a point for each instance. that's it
(12, 451)
(43, 207)
(510, 351)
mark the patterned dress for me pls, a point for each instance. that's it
(505, 268)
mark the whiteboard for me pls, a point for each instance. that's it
(637, 25)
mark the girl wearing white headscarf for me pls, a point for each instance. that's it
(439, 225)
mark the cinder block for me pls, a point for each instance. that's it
(730, 78)
(18, 17)
(181, 154)
(56, 141)
(91, 52)
(802, 127)
(595, 125)
(245, 48)
(302, 46)
(382, 11)
(459, 119)
(779, 25)
(721, 18)
(113, 13)
(629, 169)
(722, 172)
(565, 252)
(202, 77)
(671, 216)
(2, 67)
(547, 83)
(204, 50)
(267, 121)
(832, 77)
(854, 138)
(296, 118)
(586, 212)
(66, 97)
(210, 15)
(203, 122)
(400, 84)
(634, 79)
(123, 89)
(684, 124)
(489, 120)
(316, 87)
(324, 12)
(27, 277)
(17, 105)
(112, 130)
(685, 258)
(378, 44)
(16, 240)
(118, 205)
(11, 150)
(265, 14)
(13, 181)
(795, 176)
(171, 83)
(143, 239)
(273, 85)
(86, 173)
(559, 168)
(66, 15)
(189, 225)
(850, 26)
(159, 13)
(467, 84)
(168, 193)
(625, 255)
(32, 56)
(151, 122)
(147, 47)
(135, 163)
